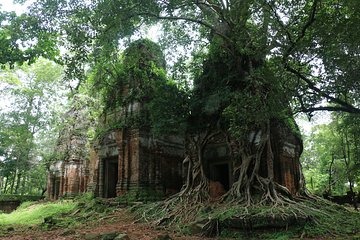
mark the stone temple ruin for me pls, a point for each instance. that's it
(131, 158)
(68, 175)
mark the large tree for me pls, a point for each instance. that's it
(310, 42)
(254, 61)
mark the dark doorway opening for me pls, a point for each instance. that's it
(220, 173)
(110, 177)
(55, 182)
(57, 188)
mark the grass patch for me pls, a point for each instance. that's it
(32, 214)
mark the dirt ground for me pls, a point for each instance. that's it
(119, 222)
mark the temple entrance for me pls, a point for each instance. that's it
(220, 172)
(55, 181)
(218, 167)
(110, 177)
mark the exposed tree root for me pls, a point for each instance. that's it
(212, 217)
(253, 197)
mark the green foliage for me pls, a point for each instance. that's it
(311, 42)
(144, 55)
(35, 214)
(262, 59)
(168, 109)
(77, 129)
(89, 205)
(292, 125)
(136, 91)
(138, 67)
(331, 158)
(29, 120)
(23, 39)
(343, 222)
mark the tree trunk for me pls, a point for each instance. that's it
(13, 182)
(23, 189)
(6, 184)
(196, 187)
(18, 180)
(330, 174)
(1, 184)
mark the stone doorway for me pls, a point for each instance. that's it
(110, 177)
(220, 172)
(56, 187)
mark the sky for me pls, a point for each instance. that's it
(7, 5)
(319, 118)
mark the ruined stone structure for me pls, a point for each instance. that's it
(67, 178)
(127, 157)
(132, 160)
(287, 147)
(68, 175)
(123, 159)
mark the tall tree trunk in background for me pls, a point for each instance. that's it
(330, 174)
(30, 189)
(196, 187)
(18, 180)
(1, 184)
(23, 189)
(6, 184)
(43, 191)
(13, 182)
(347, 159)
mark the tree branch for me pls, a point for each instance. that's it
(216, 8)
(309, 22)
(344, 106)
(332, 109)
(176, 18)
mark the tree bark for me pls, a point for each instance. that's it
(18, 180)
(13, 182)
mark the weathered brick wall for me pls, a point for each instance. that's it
(143, 162)
(92, 170)
(287, 148)
(67, 179)
(70, 175)
(55, 180)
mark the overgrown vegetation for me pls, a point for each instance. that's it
(136, 92)
(29, 124)
(254, 64)
(301, 219)
(61, 213)
(304, 218)
(331, 160)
